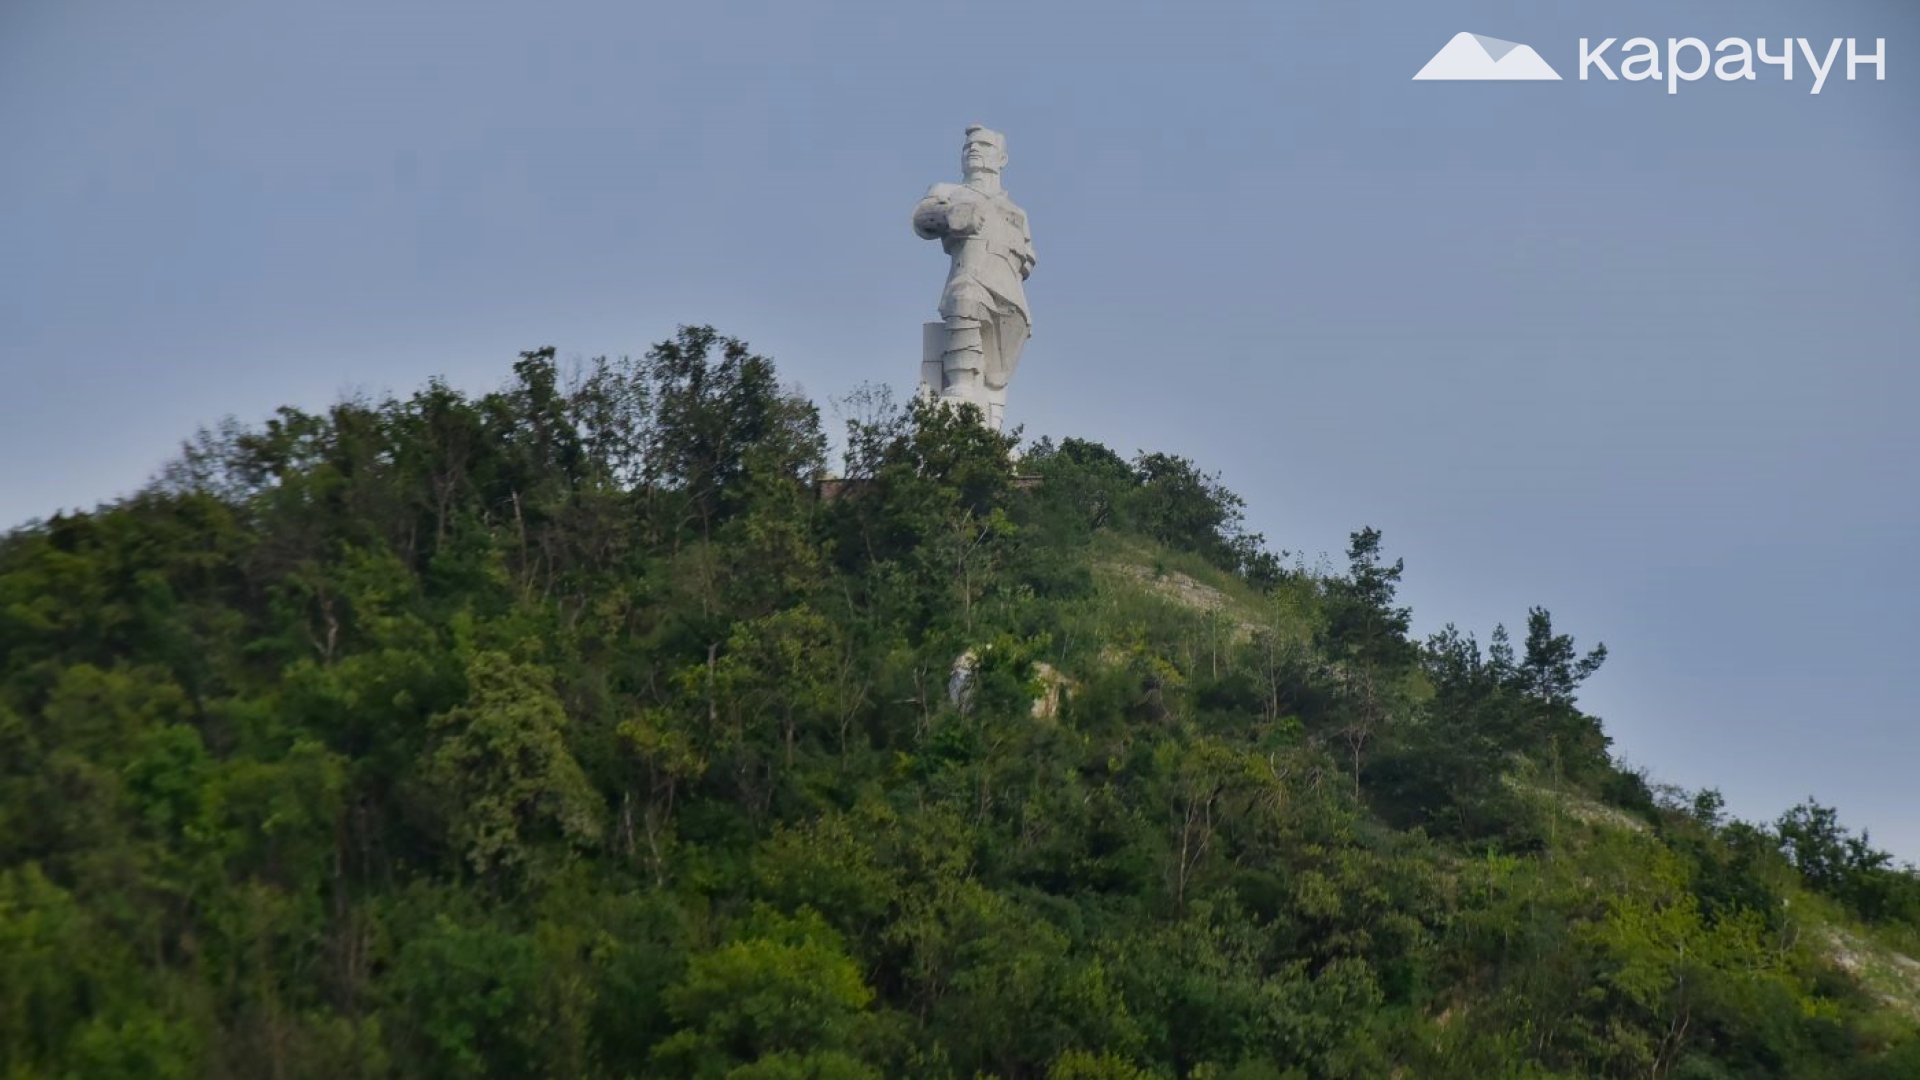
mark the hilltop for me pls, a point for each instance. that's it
(569, 730)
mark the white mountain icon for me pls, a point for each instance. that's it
(1476, 56)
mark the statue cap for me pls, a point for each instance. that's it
(997, 138)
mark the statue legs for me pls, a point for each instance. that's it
(969, 361)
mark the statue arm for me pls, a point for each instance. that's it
(930, 218)
(939, 214)
(930, 215)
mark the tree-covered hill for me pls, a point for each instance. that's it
(577, 730)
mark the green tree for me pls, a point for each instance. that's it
(783, 998)
(504, 770)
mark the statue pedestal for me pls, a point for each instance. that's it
(933, 345)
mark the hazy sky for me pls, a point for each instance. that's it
(1647, 360)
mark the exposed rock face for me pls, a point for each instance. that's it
(1892, 977)
(1182, 590)
(1054, 687)
(960, 680)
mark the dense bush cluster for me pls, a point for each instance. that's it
(572, 731)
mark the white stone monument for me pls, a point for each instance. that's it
(969, 356)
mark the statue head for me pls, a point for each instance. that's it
(985, 152)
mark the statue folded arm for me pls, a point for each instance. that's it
(938, 215)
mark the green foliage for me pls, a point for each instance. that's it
(1362, 623)
(1161, 496)
(782, 1000)
(503, 768)
(577, 729)
(1847, 867)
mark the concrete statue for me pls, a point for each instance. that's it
(970, 355)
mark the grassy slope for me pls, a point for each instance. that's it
(1137, 579)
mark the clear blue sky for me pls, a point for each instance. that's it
(1648, 361)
